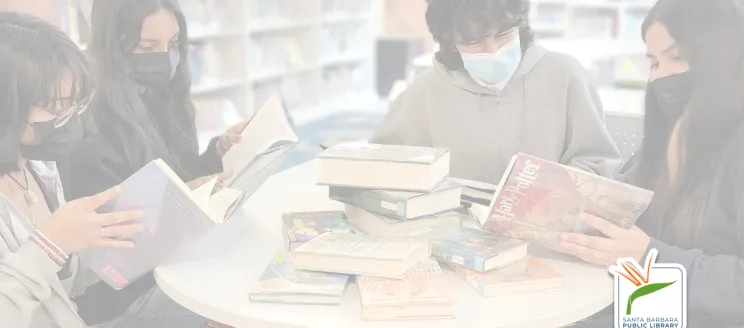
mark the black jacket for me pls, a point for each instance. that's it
(98, 164)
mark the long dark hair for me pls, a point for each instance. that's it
(34, 55)
(455, 21)
(168, 132)
(708, 35)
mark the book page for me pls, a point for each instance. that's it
(222, 202)
(270, 124)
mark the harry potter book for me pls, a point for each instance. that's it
(538, 199)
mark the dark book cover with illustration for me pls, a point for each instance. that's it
(540, 199)
(301, 227)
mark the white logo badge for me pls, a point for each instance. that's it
(650, 297)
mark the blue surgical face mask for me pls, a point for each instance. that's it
(493, 68)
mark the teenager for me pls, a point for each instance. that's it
(691, 157)
(142, 111)
(45, 86)
(492, 93)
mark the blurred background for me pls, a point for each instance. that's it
(337, 63)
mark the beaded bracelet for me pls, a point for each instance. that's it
(54, 252)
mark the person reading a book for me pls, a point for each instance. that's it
(691, 157)
(141, 112)
(493, 93)
(46, 85)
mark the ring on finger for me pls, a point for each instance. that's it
(103, 232)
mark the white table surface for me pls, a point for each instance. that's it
(214, 277)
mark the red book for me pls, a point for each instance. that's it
(538, 199)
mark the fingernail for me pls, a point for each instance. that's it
(130, 244)
(140, 213)
(141, 227)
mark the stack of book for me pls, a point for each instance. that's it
(391, 191)
(399, 223)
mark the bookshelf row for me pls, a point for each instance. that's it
(581, 19)
(316, 53)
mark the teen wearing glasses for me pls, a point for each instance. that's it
(492, 93)
(46, 85)
(142, 111)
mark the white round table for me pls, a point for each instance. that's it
(214, 276)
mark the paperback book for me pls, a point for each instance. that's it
(539, 199)
(267, 140)
(360, 254)
(301, 227)
(282, 283)
(422, 294)
(529, 275)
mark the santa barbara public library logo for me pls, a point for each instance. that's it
(650, 297)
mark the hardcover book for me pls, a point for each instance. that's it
(361, 254)
(382, 226)
(475, 192)
(422, 294)
(282, 283)
(400, 205)
(175, 216)
(539, 199)
(390, 167)
(474, 249)
(300, 227)
(529, 275)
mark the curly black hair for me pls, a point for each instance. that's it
(453, 22)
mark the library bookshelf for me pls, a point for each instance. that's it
(318, 54)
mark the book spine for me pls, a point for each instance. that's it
(371, 200)
(445, 254)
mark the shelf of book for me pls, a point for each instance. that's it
(313, 52)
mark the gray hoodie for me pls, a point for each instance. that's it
(548, 109)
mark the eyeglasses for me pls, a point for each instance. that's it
(63, 116)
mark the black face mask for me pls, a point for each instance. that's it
(52, 144)
(672, 93)
(155, 70)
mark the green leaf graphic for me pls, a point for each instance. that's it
(645, 290)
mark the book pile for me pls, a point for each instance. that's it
(398, 228)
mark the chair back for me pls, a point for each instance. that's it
(627, 132)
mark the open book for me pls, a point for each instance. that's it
(539, 199)
(267, 139)
(175, 216)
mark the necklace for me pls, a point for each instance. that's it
(28, 195)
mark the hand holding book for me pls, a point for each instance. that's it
(232, 136)
(76, 225)
(618, 243)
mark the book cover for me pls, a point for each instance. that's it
(530, 274)
(173, 220)
(425, 283)
(389, 203)
(281, 278)
(540, 199)
(470, 248)
(363, 151)
(300, 227)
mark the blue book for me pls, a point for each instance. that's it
(474, 249)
